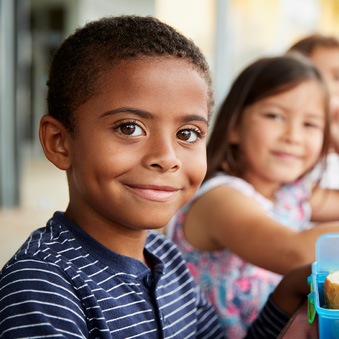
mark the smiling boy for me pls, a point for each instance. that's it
(129, 100)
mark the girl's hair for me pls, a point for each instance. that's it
(80, 64)
(263, 78)
(307, 45)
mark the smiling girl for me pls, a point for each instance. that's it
(250, 220)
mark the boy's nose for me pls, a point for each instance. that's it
(162, 155)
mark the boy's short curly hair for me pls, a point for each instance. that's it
(85, 56)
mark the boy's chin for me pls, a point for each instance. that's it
(154, 224)
(160, 229)
(156, 218)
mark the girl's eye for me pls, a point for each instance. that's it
(130, 129)
(274, 116)
(312, 125)
(189, 135)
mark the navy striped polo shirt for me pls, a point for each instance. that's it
(63, 283)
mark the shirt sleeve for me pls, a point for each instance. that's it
(269, 323)
(37, 300)
(208, 321)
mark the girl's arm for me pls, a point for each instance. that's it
(325, 205)
(225, 218)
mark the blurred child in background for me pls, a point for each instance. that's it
(323, 51)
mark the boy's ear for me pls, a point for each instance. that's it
(54, 139)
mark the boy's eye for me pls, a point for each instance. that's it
(189, 135)
(130, 129)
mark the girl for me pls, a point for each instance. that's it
(250, 220)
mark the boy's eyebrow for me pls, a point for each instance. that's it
(135, 111)
(147, 115)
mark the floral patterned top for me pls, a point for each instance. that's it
(236, 288)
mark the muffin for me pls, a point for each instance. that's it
(331, 290)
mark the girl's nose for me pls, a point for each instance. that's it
(292, 132)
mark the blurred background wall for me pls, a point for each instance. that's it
(231, 33)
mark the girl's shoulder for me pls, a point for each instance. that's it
(236, 183)
(300, 189)
(224, 179)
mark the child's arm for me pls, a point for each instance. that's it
(282, 304)
(226, 218)
(292, 289)
(324, 204)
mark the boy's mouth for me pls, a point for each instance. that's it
(155, 193)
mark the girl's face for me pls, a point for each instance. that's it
(281, 136)
(139, 153)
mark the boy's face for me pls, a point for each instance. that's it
(139, 150)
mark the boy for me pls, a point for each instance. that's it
(129, 100)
